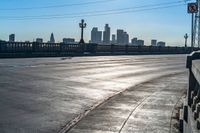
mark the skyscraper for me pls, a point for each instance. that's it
(12, 38)
(120, 36)
(140, 42)
(106, 34)
(161, 44)
(113, 38)
(126, 38)
(153, 42)
(39, 40)
(96, 36)
(99, 37)
(134, 41)
(93, 34)
(52, 40)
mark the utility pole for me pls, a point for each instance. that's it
(192, 32)
(193, 10)
(198, 23)
(196, 27)
(186, 37)
(82, 26)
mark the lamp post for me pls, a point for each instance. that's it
(82, 26)
(186, 37)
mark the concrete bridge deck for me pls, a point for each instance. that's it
(48, 94)
(146, 108)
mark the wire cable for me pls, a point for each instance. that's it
(58, 6)
(92, 12)
(97, 13)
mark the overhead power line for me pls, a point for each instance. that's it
(97, 11)
(57, 6)
(100, 12)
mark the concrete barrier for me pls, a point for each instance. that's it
(192, 106)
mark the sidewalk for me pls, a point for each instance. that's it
(144, 108)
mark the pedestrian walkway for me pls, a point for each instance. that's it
(145, 108)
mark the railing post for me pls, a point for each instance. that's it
(0, 46)
(34, 47)
(94, 48)
(149, 49)
(112, 48)
(60, 48)
(82, 46)
(126, 49)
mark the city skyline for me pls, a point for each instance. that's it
(167, 24)
(121, 37)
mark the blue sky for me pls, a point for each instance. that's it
(164, 24)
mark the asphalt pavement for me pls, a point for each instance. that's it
(48, 95)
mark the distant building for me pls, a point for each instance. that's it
(68, 40)
(161, 44)
(106, 34)
(140, 42)
(39, 40)
(96, 36)
(134, 41)
(12, 38)
(52, 39)
(126, 38)
(120, 36)
(93, 35)
(153, 42)
(113, 39)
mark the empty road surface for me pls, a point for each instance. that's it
(90, 94)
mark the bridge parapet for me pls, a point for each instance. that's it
(191, 108)
(36, 49)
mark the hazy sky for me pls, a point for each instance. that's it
(146, 19)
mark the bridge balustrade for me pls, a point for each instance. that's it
(71, 48)
(90, 48)
(191, 109)
(104, 48)
(119, 48)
